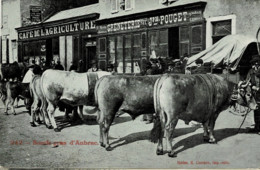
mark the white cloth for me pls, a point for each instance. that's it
(28, 76)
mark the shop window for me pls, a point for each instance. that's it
(75, 53)
(196, 39)
(136, 47)
(112, 50)
(114, 6)
(184, 40)
(127, 47)
(163, 44)
(158, 44)
(220, 30)
(154, 36)
(119, 50)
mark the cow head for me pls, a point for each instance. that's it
(243, 94)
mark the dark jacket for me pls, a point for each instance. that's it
(58, 67)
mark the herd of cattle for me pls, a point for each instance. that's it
(198, 97)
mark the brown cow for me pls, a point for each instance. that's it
(198, 97)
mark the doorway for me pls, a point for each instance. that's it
(174, 43)
(89, 53)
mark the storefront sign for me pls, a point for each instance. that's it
(172, 18)
(35, 13)
(56, 30)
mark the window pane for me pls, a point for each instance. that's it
(154, 36)
(144, 40)
(222, 28)
(119, 50)
(112, 46)
(136, 46)
(136, 66)
(196, 35)
(184, 34)
(128, 67)
(128, 47)
(163, 48)
(164, 37)
(102, 45)
(184, 48)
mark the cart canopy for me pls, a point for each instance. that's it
(229, 50)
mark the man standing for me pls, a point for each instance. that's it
(94, 67)
(253, 76)
(58, 66)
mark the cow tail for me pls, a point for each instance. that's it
(156, 132)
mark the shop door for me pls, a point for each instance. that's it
(89, 53)
(174, 43)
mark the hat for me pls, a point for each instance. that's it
(255, 58)
(110, 66)
(199, 61)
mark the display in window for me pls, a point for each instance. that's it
(137, 68)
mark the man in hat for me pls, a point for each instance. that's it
(200, 68)
(58, 66)
(94, 67)
(253, 76)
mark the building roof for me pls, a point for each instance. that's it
(72, 13)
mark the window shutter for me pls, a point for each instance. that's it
(114, 6)
(129, 4)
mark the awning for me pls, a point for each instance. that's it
(229, 50)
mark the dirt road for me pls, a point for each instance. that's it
(24, 146)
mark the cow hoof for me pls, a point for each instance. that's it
(109, 148)
(212, 141)
(172, 154)
(33, 124)
(159, 152)
(102, 144)
(14, 113)
(57, 130)
(49, 126)
(205, 138)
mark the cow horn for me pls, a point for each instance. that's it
(246, 84)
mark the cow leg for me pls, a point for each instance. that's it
(45, 113)
(51, 110)
(206, 131)
(12, 106)
(106, 123)
(6, 106)
(100, 122)
(105, 130)
(159, 150)
(33, 110)
(17, 101)
(211, 128)
(168, 133)
(80, 113)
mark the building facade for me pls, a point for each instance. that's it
(126, 33)
(14, 13)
